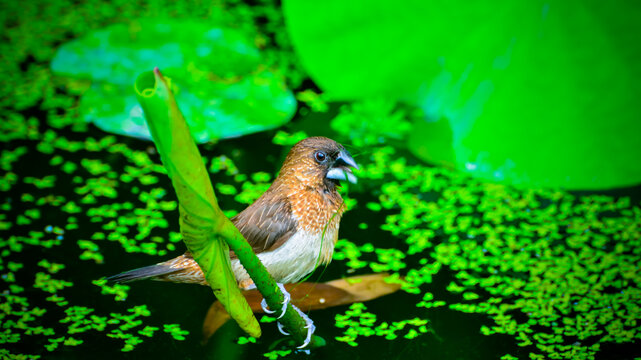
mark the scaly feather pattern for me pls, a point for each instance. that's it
(292, 227)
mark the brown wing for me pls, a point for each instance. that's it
(266, 224)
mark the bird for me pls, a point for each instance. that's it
(292, 227)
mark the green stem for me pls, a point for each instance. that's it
(264, 282)
(206, 231)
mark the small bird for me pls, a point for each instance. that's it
(292, 227)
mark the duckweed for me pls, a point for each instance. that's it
(358, 322)
(557, 273)
(286, 139)
(246, 340)
(119, 290)
(175, 331)
(273, 355)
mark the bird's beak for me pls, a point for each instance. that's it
(342, 168)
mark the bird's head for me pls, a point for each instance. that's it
(319, 162)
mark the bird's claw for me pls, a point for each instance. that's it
(286, 300)
(309, 323)
(309, 326)
(263, 304)
(281, 328)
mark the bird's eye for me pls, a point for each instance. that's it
(320, 156)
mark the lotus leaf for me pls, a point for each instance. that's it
(539, 92)
(219, 81)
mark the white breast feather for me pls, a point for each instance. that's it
(296, 258)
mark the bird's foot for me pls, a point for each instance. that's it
(266, 309)
(309, 326)
(281, 328)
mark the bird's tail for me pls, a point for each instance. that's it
(182, 269)
(143, 273)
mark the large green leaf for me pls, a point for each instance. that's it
(223, 89)
(206, 231)
(528, 92)
(200, 217)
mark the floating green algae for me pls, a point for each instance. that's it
(21, 322)
(45, 134)
(94, 198)
(557, 272)
(554, 272)
(359, 323)
(371, 122)
(220, 82)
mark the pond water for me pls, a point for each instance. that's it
(78, 208)
(486, 270)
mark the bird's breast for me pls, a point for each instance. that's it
(315, 211)
(297, 257)
(317, 217)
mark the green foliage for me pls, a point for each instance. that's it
(285, 139)
(119, 290)
(246, 340)
(371, 122)
(218, 76)
(43, 133)
(528, 92)
(175, 331)
(47, 283)
(347, 250)
(202, 223)
(273, 355)
(91, 251)
(358, 322)
(208, 234)
(554, 271)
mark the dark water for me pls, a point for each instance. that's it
(454, 335)
(28, 52)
